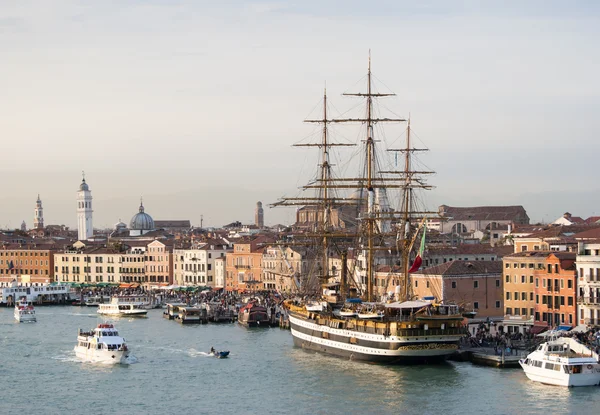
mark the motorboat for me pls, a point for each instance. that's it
(172, 310)
(123, 307)
(219, 354)
(94, 301)
(102, 345)
(562, 362)
(24, 312)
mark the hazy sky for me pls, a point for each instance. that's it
(194, 105)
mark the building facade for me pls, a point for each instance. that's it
(556, 291)
(196, 265)
(26, 264)
(588, 279)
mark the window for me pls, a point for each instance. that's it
(453, 284)
(570, 301)
(569, 283)
(508, 295)
(562, 284)
(549, 268)
(523, 279)
(544, 282)
(508, 311)
(523, 296)
(516, 297)
(531, 311)
(508, 278)
(497, 304)
(476, 305)
(427, 284)
(530, 296)
(497, 283)
(524, 312)
(416, 283)
(475, 284)
(517, 312)
(537, 282)
(537, 299)
(531, 279)
(507, 265)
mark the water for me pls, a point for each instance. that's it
(171, 373)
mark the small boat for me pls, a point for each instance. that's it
(94, 301)
(253, 315)
(102, 345)
(123, 307)
(24, 312)
(191, 315)
(562, 362)
(219, 354)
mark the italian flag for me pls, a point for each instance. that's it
(419, 259)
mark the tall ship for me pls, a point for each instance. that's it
(348, 314)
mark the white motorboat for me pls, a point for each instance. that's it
(102, 345)
(123, 307)
(94, 301)
(562, 362)
(24, 312)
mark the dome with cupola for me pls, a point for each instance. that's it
(141, 221)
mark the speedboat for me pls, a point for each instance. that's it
(102, 345)
(24, 312)
(219, 354)
(562, 362)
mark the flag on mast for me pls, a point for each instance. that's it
(419, 259)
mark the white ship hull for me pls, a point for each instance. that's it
(371, 347)
(25, 318)
(124, 313)
(102, 356)
(558, 378)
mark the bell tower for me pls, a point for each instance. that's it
(85, 229)
(38, 216)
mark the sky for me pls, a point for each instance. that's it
(195, 105)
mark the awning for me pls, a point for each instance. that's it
(582, 328)
(564, 328)
(537, 329)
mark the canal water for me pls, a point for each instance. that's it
(265, 374)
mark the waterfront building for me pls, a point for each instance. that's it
(220, 265)
(284, 267)
(519, 289)
(588, 277)
(87, 263)
(85, 229)
(553, 238)
(158, 264)
(244, 264)
(259, 216)
(196, 265)
(29, 263)
(476, 285)
(556, 291)
(38, 214)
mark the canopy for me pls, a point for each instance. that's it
(582, 328)
(564, 328)
(408, 304)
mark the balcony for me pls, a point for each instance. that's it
(242, 266)
(593, 301)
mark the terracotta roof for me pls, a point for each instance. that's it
(592, 219)
(172, 224)
(593, 233)
(463, 268)
(562, 231)
(461, 249)
(513, 213)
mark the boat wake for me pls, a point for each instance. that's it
(130, 360)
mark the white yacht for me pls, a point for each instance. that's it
(563, 362)
(124, 307)
(24, 312)
(101, 345)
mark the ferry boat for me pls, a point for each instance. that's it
(192, 315)
(124, 307)
(562, 362)
(253, 315)
(102, 345)
(172, 310)
(24, 312)
(49, 294)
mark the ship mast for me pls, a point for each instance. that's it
(324, 200)
(410, 214)
(371, 217)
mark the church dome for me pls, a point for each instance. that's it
(120, 226)
(141, 221)
(84, 186)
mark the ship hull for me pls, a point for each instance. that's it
(368, 347)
